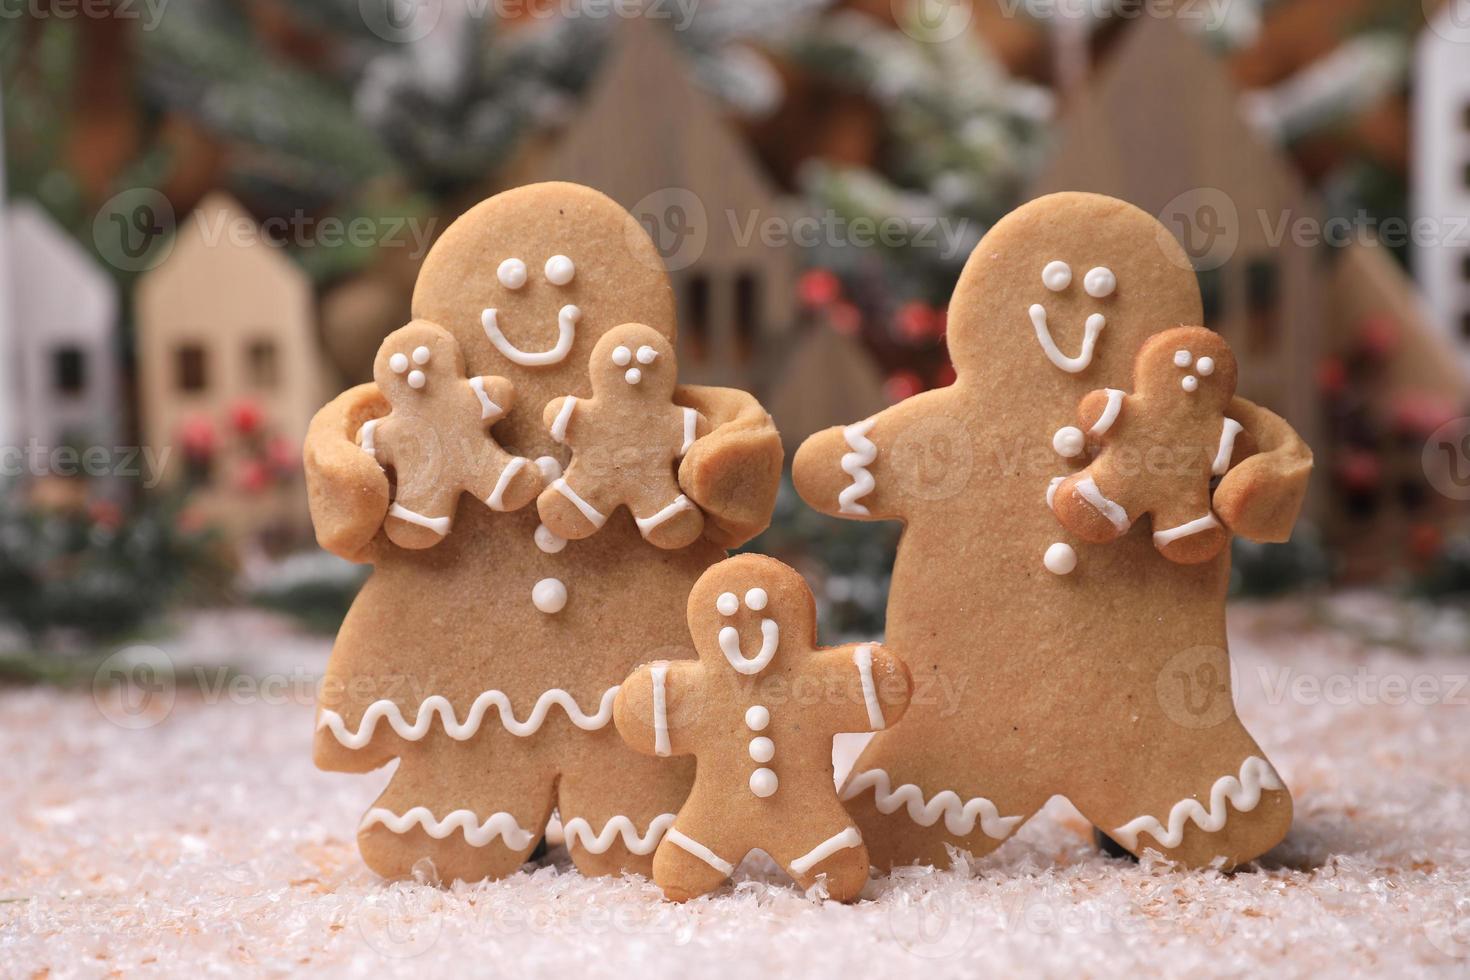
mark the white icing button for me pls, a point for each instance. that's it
(548, 540)
(763, 782)
(756, 599)
(762, 749)
(728, 604)
(1182, 358)
(633, 376)
(1206, 366)
(559, 270)
(646, 354)
(399, 363)
(1057, 276)
(421, 355)
(1060, 559)
(549, 595)
(549, 467)
(757, 717)
(416, 379)
(512, 273)
(1189, 383)
(1100, 282)
(621, 356)
(1068, 441)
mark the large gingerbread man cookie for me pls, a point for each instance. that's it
(487, 665)
(1159, 448)
(1097, 671)
(758, 711)
(626, 442)
(436, 440)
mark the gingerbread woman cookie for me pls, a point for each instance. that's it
(1099, 672)
(1160, 447)
(487, 666)
(626, 442)
(760, 725)
(436, 440)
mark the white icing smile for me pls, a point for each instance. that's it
(730, 645)
(1090, 331)
(566, 327)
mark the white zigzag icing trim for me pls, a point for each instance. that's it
(959, 817)
(855, 464)
(458, 730)
(1244, 793)
(578, 830)
(476, 834)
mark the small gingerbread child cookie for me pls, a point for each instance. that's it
(1160, 446)
(626, 441)
(760, 726)
(437, 439)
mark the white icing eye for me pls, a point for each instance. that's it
(421, 355)
(1060, 559)
(1068, 441)
(756, 599)
(1206, 366)
(1100, 282)
(1182, 358)
(757, 717)
(417, 379)
(646, 354)
(512, 273)
(1190, 382)
(560, 270)
(728, 604)
(1057, 276)
(633, 376)
(399, 363)
(621, 356)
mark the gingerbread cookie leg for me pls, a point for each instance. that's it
(834, 854)
(1087, 510)
(421, 518)
(694, 858)
(668, 523)
(1189, 533)
(567, 511)
(465, 828)
(511, 488)
(614, 826)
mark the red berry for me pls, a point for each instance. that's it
(818, 288)
(198, 437)
(246, 416)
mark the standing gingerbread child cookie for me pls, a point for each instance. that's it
(760, 726)
(626, 442)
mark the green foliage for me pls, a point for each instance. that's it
(314, 588)
(1449, 575)
(1263, 570)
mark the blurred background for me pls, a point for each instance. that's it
(215, 210)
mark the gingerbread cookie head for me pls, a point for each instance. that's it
(744, 610)
(1190, 369)
(634, 362)
(417, 364)
(529, 281)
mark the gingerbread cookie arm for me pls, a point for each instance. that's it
(873, 686)
(734, 472)
(651, 711)
(346, 488)
(496, 395)
(1261, 497)
(845, 471)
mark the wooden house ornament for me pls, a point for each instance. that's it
(226, 323)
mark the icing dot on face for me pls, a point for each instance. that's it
(417, 379)
(549, 595)
(728, 604)
(399, 363)
(512, 273)
(421, 355)
(1057, 276)
(548, 540)
(757, 717)
(621, 356)
(763, 782)
(1206, 366)
(762, 749)
(646, 354)
(1068, 441)
(633, 376)
(560, 270)
(1190, 382)
(1060, 559)
(756, 599)
(549, 467)
(1100, 282)
(1182, 358)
